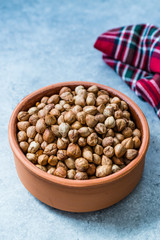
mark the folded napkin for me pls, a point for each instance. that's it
(134, 53)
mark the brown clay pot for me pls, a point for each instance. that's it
(78, 195)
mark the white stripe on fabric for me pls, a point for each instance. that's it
(119, 42)
(155, 85)
(128, 44)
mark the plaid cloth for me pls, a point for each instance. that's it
(134, 53)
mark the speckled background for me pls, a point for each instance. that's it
(44, 42)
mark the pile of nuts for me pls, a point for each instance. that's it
(80, 134)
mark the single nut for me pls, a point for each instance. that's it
(82, 93)
(40, 125)
(31, 157)
(43, 145)
(110, 122)
(24, 146)
(102, 171)
(48, 136)
(32, 110)
(50, 120)
(92, 139)
(93, 89)
(82, 142)
(81, 164)
(60, 172)
(73, 135)
(30, 140)
(137, 133)
(101, 108)
(78, 88)
(43, 159)
(90, 120)
(33, 119)
(61, 155)
(23, 125)
(118, 161)
(120, 124)
(84, 131)
(39, 152)
(102, 99)
(31, 131)
(110, 133)
(123, 105)
(71, 174)
(49, 107)
(106, 160)
(131, 124)
(41, 105)
(70, 117)
(115, 106)
(41, 167)
(54, 99)
(44, 100)
(50, 149)
(91, 99)
(81, 117)
(98, 149)
(42, 113)
(97, 159)
(120, 137)
(61, 164)
(119, 150)
(99, 141)
(136, 142)
(64, 89)
(33, 147)
(115, 168)
(131, 154)
(51, 170)
(118, 114)
(60, 119)
(126, 114)
(128, 143)
(23, 116)
(107, 141)
(73, 151)
(100, 128)
(55, 112)
(108, 111)
(116, 100)
(64, 129)
(62, 143)
(91, 169)
(55, 130)
(100, 118)
(67, 96)
(67, 106)
(76, 109)
(90, 110)
(81, 176)
(21, 136)
(53, 160)
(76, 125)
(108, 151)
(115, 141)
(70, 163)
(127, 132)
(80, 100)
(87, 153)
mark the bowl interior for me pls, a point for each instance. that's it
(34, 97)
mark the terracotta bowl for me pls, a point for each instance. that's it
(78, 195)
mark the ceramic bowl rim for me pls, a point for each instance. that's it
(78, 183)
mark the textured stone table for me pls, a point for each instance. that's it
(44, 42)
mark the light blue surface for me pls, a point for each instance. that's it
(44, 42)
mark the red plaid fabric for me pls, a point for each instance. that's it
(134, 53)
